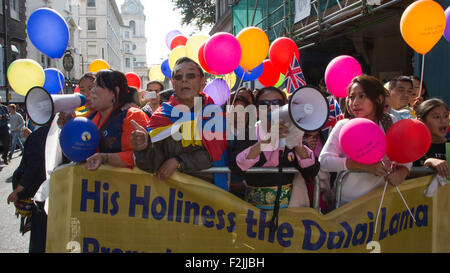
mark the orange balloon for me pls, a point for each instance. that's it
(255, 46)
(422, 25)
(98, 65)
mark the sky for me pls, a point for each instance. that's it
(160, 20)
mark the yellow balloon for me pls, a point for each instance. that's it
(155, 73)
(177, 53)
(98, 65)
(422, 25)
(23, 74)
(193, 44)
(255, 46)
(229, 78)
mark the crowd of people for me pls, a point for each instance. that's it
(135, 130)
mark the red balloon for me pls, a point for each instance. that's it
(407, 140)
(133, 80)
(281, 52)
(77, 89)
(270, 75)
(179, 40)
(201, 59)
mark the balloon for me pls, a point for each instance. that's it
(48, 32)
(155, 73)
(177, 53)
(79, 139)
(363, 141)
(193, 45)
(339, 74)
(170, 35)
(52, 84)
(270, 75)
(218, 90)
(24, 74)
(98, 65)
(165, 69)
(407, 140)
(229, 78)
(447, 26)
(249, 75)
(255, 46)
(280, 81)
(422, 25)
(202, 61)
(133, 80)
(223, 53)
(179, 40)
(281, 52)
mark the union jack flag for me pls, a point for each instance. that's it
(333, 118)
(294, 77)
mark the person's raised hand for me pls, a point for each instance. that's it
(139, 137)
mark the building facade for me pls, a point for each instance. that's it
(135, 41)
(14, 46)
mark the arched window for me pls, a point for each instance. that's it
(133, 27)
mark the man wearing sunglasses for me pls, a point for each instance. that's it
(158, 151)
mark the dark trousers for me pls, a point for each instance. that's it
(38, 234)
(4, 136)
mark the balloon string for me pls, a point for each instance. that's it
(239, 86)
(379, 207)
(421, 77)
(404, 201)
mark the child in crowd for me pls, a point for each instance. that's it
(366, 96)
(434, 114)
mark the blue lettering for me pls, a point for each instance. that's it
(393, 225)
(105, 198)
(232, 225)
(250, 223)
(383, 233)
(331, 235)
(360, 228)
(348, 229)
(115, 208)
(422, 210)
(161, 202)
(307, 244)
(90, 242)
(86, 195)
(262, 228)
(142, 201)
(208, 213)
(171, 204)
(187, 212)
(221, 224)
(285, 231)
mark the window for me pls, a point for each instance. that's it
(127, 34)
(134, 47)
(91, 3)
(92, 49)
(127, 48)
(133, 27)
(127, 63)
(14, 5)
(91, 24)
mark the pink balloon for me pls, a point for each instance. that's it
(363, 141)
(218, 90)
(339, 74)
(223, 53)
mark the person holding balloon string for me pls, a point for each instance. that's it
(108, 95)
(365, 101)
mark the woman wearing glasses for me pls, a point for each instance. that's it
(261, 149)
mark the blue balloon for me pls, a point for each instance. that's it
(48, 32)
(165, 68)
(79, 139)
(52, 84)
(250, 75)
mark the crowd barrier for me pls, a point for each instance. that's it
(123, 210)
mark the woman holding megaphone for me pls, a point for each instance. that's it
(262, 149)
(108, 96)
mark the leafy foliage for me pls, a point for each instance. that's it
(200, 13)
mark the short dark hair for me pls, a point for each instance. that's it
(110, 79)
(89, 75)
(156, 82)
(393, 82)
(185, 60)
(425, 107)
(267, 89)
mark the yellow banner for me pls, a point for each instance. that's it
(122, 210)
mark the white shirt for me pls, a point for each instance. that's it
(332, 159)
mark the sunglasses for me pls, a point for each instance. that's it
(270, 102)
(189, 76)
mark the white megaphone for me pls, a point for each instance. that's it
(41, 106)
(307, 109)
